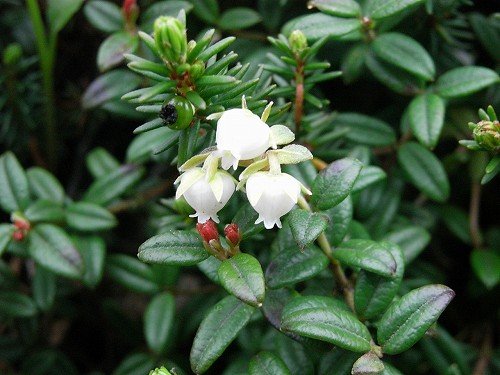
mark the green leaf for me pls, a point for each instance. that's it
(292, 266)
(108, 86)
(373, 293)
(334, 183)
(311, 317)
(424, 170)
(319, 25)
(6, 231)
(89, 217)
(242, 276)
(405, 53)
(396, 79)
(381, 9)
(135, 364)
(144, 146)
(52, 248)
(44, 185)
(456, 220)
(407, 319)
(14, 188)
(217, 330)
(337, 361)
(487, 33)
(100, 162)
(111, 51)
(44, 288)
(104, 15)
(177, 248)
(131, 273)
(93, 251)
(367, 255)
(295, 355)
(16, 305)
(340, 217)
(238, 18)
(159, 318)
(267, 363)
(367, 364)
(341, 8)
(59, 12)
(426, 116)
(411, 239)
(109, 187)
(369, 175)
(207, 10)
(365, 130)
(486, 266)
(245, 218)
(464, 81)
(306, 226)
(390, 370)
(44, 210)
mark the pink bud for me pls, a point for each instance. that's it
(18, 235)
(232, 234)
(208, 231)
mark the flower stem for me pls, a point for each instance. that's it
(46, 51)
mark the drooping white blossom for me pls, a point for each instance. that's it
(241, 135)
(206, 193)
(272, 195)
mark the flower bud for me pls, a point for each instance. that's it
(208, 231)
(170, 39)
(197, 69)
(18, 235)
(130, 11)
(272, 195)
(241, 135)
(298, 41)
(232, 234)
(160, 371)
(487, 135)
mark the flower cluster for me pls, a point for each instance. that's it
(243, 138)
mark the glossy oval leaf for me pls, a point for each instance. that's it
(319, 25)
(306, 226)
(340, 217)
(292, 266)
(365, 130)
(131, 273)
(426, 116)
(267, 363)
(177, 248)
(424, 170)
(159, 318)
(93, 251)
(341, 8)
(374, 293)
(111, 51)
(88, 217)
(242, 276)
(486, 266)
(369, 175)
(104, 15)
(59, 12)
(44, 288)
(326, 323)
(380, 9)
(464, 81)
(52, 248)
(109, 187)
(14, 188)
(217, 330)
(237, 18)
(44, 210)
(367, 255)
(100, 162)
(412, 240)
(407, 320)
(16, 305)
(405, 53)
(334, 183)
(44, 185)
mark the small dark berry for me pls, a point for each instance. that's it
(168, 113)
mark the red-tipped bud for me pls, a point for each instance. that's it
(232, 234)
(22, 225)
(18, 235)
(208, 231)
(130, 11)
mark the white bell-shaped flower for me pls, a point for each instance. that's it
(272, 195)
(205, 193)
(241, 135)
